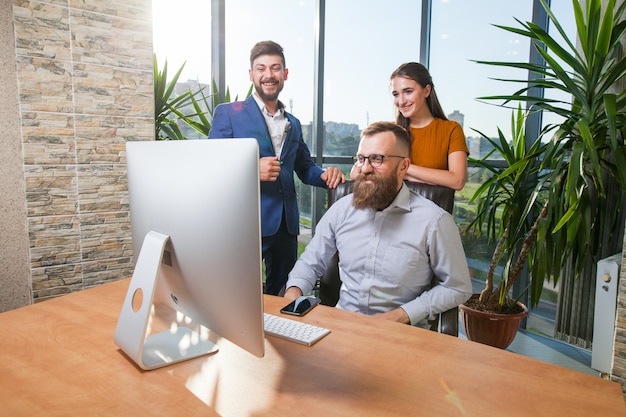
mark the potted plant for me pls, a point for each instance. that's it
(509, 209)
(568, 167)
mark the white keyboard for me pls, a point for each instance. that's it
(295, 331)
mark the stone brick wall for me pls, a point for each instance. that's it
(84, 74)
(15, 288)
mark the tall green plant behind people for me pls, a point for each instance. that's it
(166, 105)
(193, 108)
(204, 106)
(509, 207)
(587, 148)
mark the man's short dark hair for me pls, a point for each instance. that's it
(266, 48)
(402, 135)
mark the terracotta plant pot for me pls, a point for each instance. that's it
(497, 330)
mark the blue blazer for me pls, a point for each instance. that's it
(243, 119)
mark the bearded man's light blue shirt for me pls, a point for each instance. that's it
(388, 258)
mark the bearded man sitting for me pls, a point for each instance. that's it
(391, 241)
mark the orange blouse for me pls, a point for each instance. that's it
(432, 144)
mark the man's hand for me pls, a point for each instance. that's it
(397, 314)
(269, 168)
(292, 293)
(333, 177)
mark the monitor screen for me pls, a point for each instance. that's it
(195, 217)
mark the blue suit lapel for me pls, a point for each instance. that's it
(290, 140)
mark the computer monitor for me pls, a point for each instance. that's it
(195, 218)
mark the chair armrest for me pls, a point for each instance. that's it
(449, 322)
(330, 283)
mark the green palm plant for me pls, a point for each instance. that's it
(204, 105)
(509, 208)
(585, 151)
(167, 105)
(194, 108)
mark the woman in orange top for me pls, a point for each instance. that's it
(438, 149)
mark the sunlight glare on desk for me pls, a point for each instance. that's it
(232, 373)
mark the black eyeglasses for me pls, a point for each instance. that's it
(375, 160)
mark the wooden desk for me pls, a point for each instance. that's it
(58, 358)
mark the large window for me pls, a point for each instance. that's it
(182, 35)
(286, 22)
(462, 32)
(178, 36)
(360, 55)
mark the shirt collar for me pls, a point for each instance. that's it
(259, 102)
(403, 198)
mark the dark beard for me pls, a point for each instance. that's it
(266, 97)
(376, 196)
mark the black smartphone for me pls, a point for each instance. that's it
(300, 306)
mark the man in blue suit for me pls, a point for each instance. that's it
(282, 151)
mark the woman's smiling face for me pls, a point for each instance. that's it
(408, 96)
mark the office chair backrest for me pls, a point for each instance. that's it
(448, 321)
